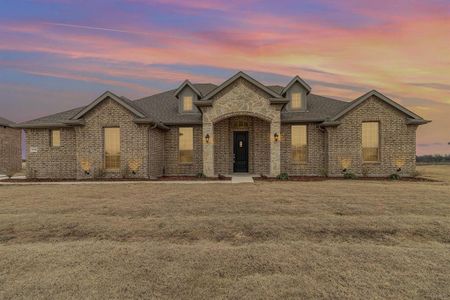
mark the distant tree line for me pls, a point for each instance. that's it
(435, 158)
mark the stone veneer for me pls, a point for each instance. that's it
(10, 150)
(397, 148)
(241, 98)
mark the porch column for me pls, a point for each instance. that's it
(275, 149)
(208, 149)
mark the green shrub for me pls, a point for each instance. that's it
(201, 175)
(283, 176)
(349, 175)
(394, 176)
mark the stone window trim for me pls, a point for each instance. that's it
(379, 161)
(52, 141)
(297, 162)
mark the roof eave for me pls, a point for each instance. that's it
(417, 122)
(330, 124)
(299, 80)
(189, 84)
(157, 124)
(240, 74)
(104, 96)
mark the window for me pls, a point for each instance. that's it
(112, 148)
(299, 143)
(370, 141)
(55, 138)
(187, 103)
(186, 144)
(296, 100)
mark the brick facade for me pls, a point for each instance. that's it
(10, 150)
(173, 167)
(155, 151)
(315, 162)
(397, 142)
(46, 161)
(259, 144)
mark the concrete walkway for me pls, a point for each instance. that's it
(242, 178)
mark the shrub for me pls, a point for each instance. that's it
(324, 172)
(283, 176)
(201, 175)
(349, 175)
(394, 176)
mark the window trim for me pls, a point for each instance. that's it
(112, 170)
(378, 161)
(300, 107)
(178, 146)
(51, 138)
(300, 162)
(183, 101)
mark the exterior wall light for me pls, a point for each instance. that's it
(399, 169)
(276, 137)
(207, 138)
(344, 170)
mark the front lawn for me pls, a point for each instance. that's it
(327, 239)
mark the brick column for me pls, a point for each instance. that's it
(275, 149)
(208, 150)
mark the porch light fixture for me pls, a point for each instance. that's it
(399, 169)
(344, 170)
(276, 137)
(207, 138)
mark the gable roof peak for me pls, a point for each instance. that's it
(358, 101)
(296, 78)
(189, 84)
(236, 76)
(128, 104)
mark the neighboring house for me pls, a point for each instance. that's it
(238, 126)
(10, 147)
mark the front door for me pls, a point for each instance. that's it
(240, 151)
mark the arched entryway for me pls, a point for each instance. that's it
(242, 145)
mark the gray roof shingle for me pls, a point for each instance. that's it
(5, 122)
(163, 107)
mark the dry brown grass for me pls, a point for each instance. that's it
(435, 172)
(330, 239)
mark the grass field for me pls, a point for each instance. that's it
(328, 239)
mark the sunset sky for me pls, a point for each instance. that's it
(60, 54)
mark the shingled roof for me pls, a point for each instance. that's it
(162, 108)
(6, 122)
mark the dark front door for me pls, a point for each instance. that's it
(240, 146)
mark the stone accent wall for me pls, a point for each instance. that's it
(10, 150)
(172, 165)
(156, 153)
(261, 140)
(259, 145)
(133, 141)
(397, 142)
(241, 98)
(51, 162)
(315, 164)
